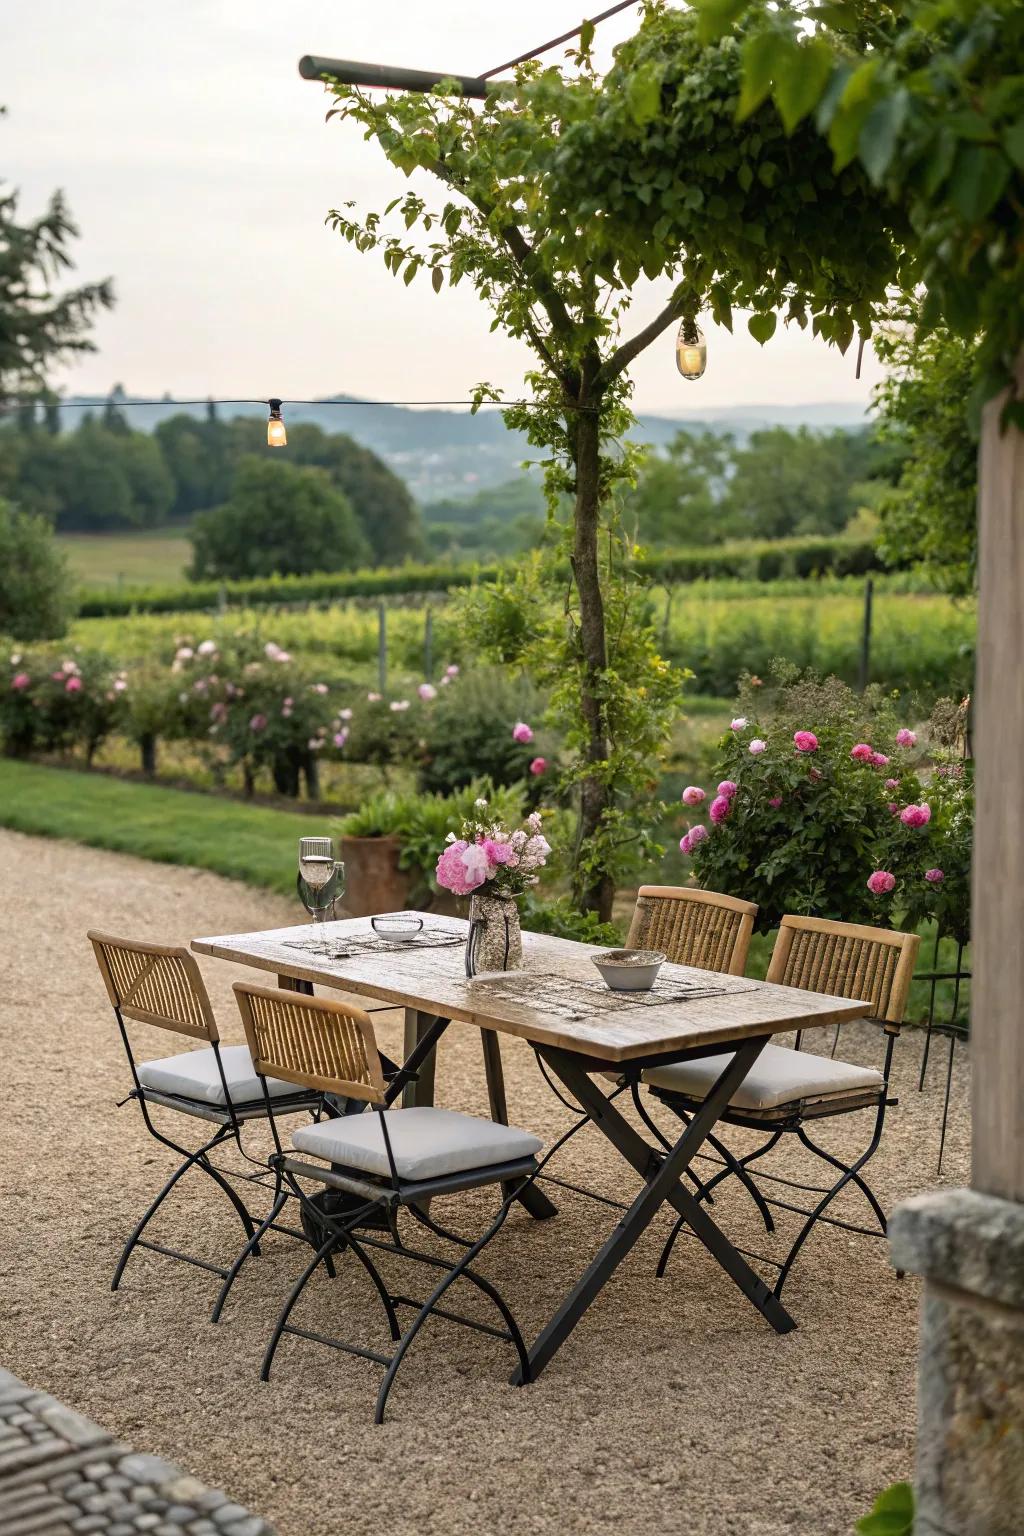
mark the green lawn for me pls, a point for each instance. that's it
(127, 559)
(253, 843)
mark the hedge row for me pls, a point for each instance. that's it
(747, 559)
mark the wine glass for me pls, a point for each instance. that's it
(321, 878)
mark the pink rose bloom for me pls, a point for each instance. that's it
(57, 677)
(522, 733)
(453, 873)
(879, 759)
(757, 746)
(20, 680)
(727, 788)
(697, 834)
(693, 795)
(538, 766)
(905, 738)
(218, 712)
(451, 671)
(73, 685)
(319, 687)
(258, 723)
(340, 738)
(373, 698)
(934, 876)
(862, 753)
(894, 809)
(344, 714)
(427, 691)
(892, 783)
(881, 882)
(775, 802)
(287, 707)
(805, 741)
(738, 724)
(685, 845)
(206, 648)
(720, 808)
(916, 815)
(498, 853)
(398, 705)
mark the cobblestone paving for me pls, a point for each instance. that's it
(61, 1475)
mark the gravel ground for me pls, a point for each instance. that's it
(673, 1408)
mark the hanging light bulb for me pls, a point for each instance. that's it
(691, 350)
(277, 437)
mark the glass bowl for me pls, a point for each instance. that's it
(397, 925)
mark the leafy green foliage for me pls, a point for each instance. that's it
(557, 915)
(931, 513)
(40, 327)
(892, 1513)
(280, 519)
(470, 732)
(36, 596)
(94, 478)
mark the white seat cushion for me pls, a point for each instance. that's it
(778, 1076)
(194, 1075)
(427, 1142)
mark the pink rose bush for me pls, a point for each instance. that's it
(486, 853)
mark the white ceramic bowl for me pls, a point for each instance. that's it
(396, 925)
(629, 970)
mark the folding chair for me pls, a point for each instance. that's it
(704, 929)
(160, 985)
(388, 1159)
(789, 1089)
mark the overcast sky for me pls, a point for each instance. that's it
(199, 169)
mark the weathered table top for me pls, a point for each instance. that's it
(557, 1000)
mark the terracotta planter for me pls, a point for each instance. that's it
(373, 881)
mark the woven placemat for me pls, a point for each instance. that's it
(573, 997)
(372, 943)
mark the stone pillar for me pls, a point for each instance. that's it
(970, 1385)
(969, 1244)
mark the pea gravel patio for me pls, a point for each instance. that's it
(673, 1408)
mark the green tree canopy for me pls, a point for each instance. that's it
(40, 326)
(36, 598)
(280, 520)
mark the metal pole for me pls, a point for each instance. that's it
(391, 77)
(865, 643)
(382, 648)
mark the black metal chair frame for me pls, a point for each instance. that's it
(389, 1196)
(790, 1118)
(954, 1027)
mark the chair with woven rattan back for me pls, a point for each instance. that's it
(370, 1166)
(161, 985)
(789, 1087)
(692, 927)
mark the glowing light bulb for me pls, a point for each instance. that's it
(277, 437)
(691, 350)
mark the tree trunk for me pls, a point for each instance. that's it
(147, 753)
(591, 890)
(311, 771)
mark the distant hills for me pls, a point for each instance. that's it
(449, 452)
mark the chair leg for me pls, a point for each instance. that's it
(848, 1177)
(733, 1165)
(382, 1290)
(945, 1106)
(195, 1159)
(251, 1247)
(745, 1178)
(861, 1184)
(334, 1241)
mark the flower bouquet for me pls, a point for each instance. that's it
(493, 864)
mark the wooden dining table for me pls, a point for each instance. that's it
(580, 1029)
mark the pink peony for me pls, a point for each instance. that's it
(340, 738)
(455, 874)
(720, 808)
(697, 834)
(881, 882)
(522, 733)
(775, 802)
(879, 760)
(739, 723)
(498, 853)
(451, 671)
(398, 705)
(693, 795)
(894, 809)
(757, 746)
(916, 815)
(538, 766)
(934, 876)
(73, 685)
(727, 788)
(862, 753)
(258, 723)
(373, 698)
(319, 687)
(892, 783)
(427, 691)
(805, 741)
(20, 680)
(905, 738)
(685, 845)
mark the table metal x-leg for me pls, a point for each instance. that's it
(662, 1172)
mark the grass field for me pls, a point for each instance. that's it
(127, 559)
